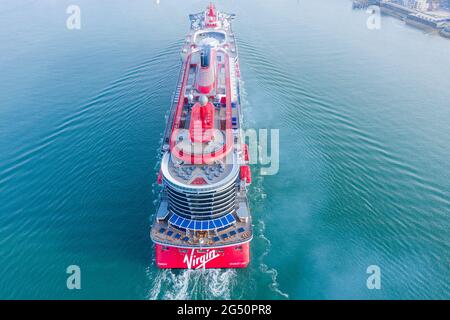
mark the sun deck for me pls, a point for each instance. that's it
(168, 230)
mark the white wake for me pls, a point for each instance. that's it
(170, 284)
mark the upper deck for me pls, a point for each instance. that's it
(205, 122)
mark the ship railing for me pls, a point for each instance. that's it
(174, 98)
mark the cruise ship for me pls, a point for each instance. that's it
(203, 219)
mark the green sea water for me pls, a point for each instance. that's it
(364, 176)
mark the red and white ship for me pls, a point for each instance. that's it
(203, 220)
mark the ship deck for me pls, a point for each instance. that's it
(165, 234)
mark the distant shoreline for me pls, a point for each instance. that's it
(428, 21)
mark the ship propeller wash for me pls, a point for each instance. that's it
(203, 219)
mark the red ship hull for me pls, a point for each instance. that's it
(237, 256)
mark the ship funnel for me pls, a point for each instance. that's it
(205, 56)
(206, 74)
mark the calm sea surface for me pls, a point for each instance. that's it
(364, 179)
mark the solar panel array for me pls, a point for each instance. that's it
(201, 225)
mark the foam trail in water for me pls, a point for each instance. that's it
(192, 284)
(258, 189)
(275, 286)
